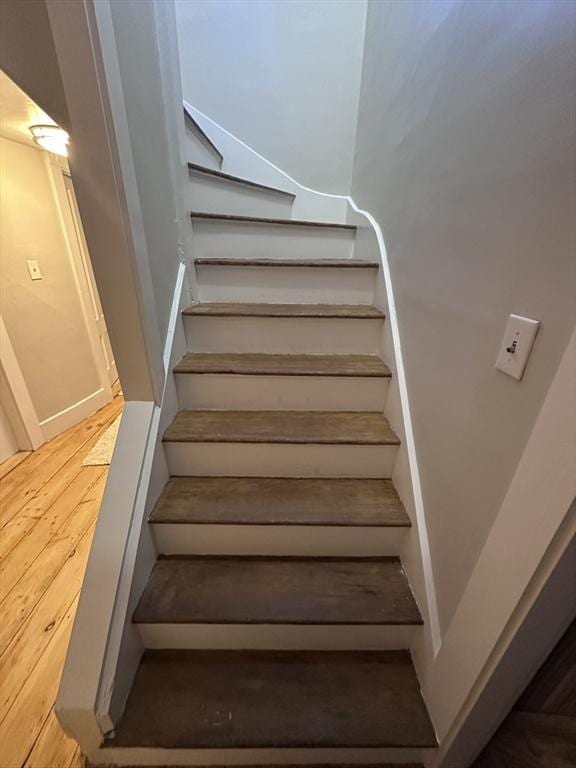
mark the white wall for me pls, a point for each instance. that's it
(282, 76)
(147, 113)
(465, 155)
(43, 318)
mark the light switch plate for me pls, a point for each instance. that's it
(516, 345)
(34, 269)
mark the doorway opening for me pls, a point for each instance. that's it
(60, 404)
(57, 367)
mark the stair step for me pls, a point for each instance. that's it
(232, 309)
(255, 364)
(204, 171)
(269, 221)
(280, 501)
(195, 127)
(285, 590)
(287, 427)
(255, 699)
(215, 261)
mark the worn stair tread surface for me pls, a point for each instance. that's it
(255, 364)
(192, 123)
(266, 220)
(280, 501)
(201, 169)
(277, 590)
(216, 261)
(286, 427)
(271, 699)
(237, 309)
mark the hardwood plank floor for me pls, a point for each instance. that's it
(8, 465)
(49, 504)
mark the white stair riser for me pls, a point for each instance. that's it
(283, 335)
(281, 637)
(286, 285)
(280, 393)
(196, 151)
(229, 239)
(215, 195)
(277, 540)
(151, 756)
(279, 460)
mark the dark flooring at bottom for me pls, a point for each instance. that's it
(540, 732)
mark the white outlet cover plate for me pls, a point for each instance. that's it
(34, 269)
(519, 335)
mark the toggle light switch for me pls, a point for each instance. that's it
(516, 345)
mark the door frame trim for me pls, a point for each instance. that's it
(56, 174)
(16, 398)
(102, 166)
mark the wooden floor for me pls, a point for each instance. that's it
(48, 508)
(540, 731)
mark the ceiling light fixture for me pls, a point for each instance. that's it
(52, 138)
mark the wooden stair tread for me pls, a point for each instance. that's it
(201, 169)
(280, 501)
(255, 364)
(277, 590)
(192, 123)
(252, 699)
(267, 220)
(242, 309)
(296, 427)
(217, 261)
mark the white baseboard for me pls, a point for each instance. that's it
(279, 460)
(132, 756)
(278, 540)
(237, 392)
(75, 413)
(279, 637)
(283, 335)
(286, 285)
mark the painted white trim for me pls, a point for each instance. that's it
(239, 392)
(150, 756)
(174, 319)
(277, 540)
(286, 284)
(59, 422)
(280, 460)
(279, 637)
(283, 335)
(400, 373)
(392, 318)
(56, 174)
(16, 398)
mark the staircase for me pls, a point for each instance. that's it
(278, 619)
